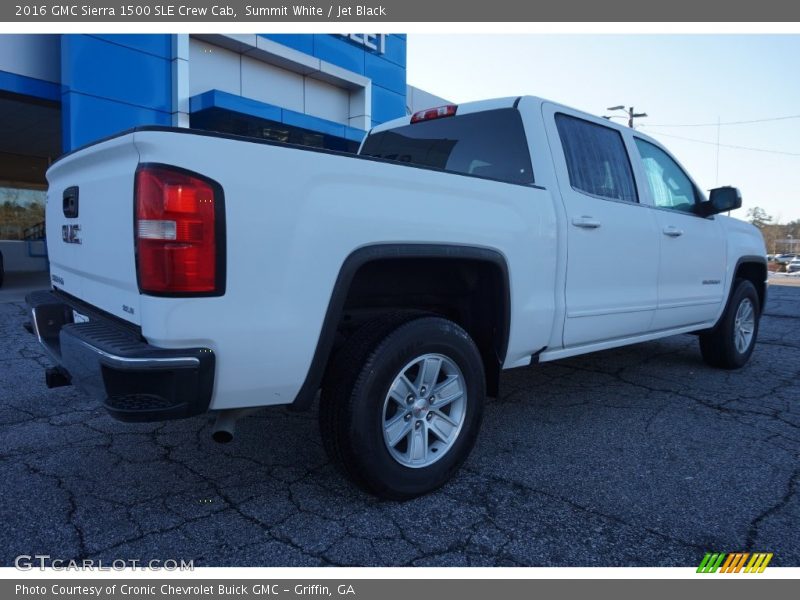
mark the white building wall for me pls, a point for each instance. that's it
(417, 99)
(16, 256)
(270, 84)
(214, 67)
(326, 101)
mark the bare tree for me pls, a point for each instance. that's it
(759, 217)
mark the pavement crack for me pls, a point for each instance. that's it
(575, 505)
(783, 502)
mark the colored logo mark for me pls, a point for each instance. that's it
(734, 562)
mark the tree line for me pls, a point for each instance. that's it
(778, 237)
(16, 218)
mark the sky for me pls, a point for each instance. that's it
(675, 79)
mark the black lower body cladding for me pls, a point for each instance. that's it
(109, 360)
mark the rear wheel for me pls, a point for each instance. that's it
(401, 407)
(730, 344)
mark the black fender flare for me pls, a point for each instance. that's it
(750, 259)
(747, 259)
(351, 265)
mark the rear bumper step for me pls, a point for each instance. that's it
(109, 361)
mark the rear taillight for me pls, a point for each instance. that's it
(434, 113)
(179, 232)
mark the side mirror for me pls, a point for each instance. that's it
(720, 200)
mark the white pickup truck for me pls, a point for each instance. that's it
(194, 272)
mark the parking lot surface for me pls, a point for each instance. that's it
(641, 456)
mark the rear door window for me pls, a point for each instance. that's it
(597, 161)
(489, 144)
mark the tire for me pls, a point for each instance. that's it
(719, 346)
(362, 404)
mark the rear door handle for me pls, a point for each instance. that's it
(673, 231)
(586, 222)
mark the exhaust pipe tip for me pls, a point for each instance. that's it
(225, 423)
(222, 436)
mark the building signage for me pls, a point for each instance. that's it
(371, 41)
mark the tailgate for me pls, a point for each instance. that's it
(89, 220)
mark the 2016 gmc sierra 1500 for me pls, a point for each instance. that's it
(196, 272)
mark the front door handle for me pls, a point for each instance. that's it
(673, 231)
(586, 222)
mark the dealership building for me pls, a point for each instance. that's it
(59, 92)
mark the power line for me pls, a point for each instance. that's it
(766, 150)
(784, 118)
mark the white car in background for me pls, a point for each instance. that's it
(793, 265)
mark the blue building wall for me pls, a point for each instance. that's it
(216, 99)
(113, 82)
(29, 86)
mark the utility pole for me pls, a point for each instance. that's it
(716, 181)
(629, 111)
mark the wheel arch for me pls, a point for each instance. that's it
(754, 269)
(361, 259)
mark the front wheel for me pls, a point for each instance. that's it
(730, 344)
(402, 404)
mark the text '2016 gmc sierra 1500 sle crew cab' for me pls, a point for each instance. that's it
(196, 272)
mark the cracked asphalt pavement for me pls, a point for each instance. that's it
(640, 456)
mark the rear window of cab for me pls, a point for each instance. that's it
(489, 144)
